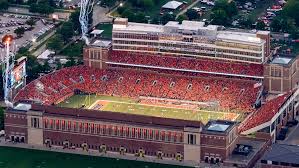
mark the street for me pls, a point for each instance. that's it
(292, 137)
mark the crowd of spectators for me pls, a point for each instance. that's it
(230, 94)
(265, 113)
(180, 62)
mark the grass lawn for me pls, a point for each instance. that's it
(126, 105)
(107, 30)
(27, 158)
(74, 50)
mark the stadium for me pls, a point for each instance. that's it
(152, 104)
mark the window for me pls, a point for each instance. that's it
(284, 164)
(46, 123)
(191, 139)
(275, 72)
(35, 122)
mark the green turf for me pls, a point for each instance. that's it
(126, 105)
(27, 158)
(107, 30)
(76, 101)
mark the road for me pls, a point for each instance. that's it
(185, 10)
(99, 15)
(42, 48)
(292, 137)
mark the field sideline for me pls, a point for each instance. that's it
(127, 105)
(27, 158)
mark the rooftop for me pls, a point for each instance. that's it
(283, 153)
(22, 107)
(196, 27)
(218, 126)
(239, 36)
(172, 5)
(256, 145)
(97, 31)
(281, 60)
(138, 27)
(101, 43)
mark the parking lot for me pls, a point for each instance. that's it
(10, 22)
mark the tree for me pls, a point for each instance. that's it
(109, 3)
(3, 4)
(70, 62)
(192, 14)
(74, 50)
(66, 30)
(223, 11)
(246, 22)
(42, 8)
(231, 9)
(121, 10)
(291, 10)
(30, 22)
(46, 67)
(74, 18)
(147, 4)
(260, 25)
(276, 24)
(129, 14)
(58, 65)
(167, 17)
(33, 67)
(181, 18)
(19, 31)
(55, 43)
(140, 18)
(219, 17)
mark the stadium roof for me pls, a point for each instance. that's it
(115, 116)
(172, 5)
(283, 153)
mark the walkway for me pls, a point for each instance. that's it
(185, 10)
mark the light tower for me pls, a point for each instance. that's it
(6, 68)
(85, 10)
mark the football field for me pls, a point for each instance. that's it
(131, 106)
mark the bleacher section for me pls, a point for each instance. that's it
(205, 66)
(232, 94)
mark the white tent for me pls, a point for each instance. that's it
(45, 54)
(172, 5)
(97, 32)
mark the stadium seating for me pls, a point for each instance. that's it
(179, 62)
(265, 113)
(229, 94)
